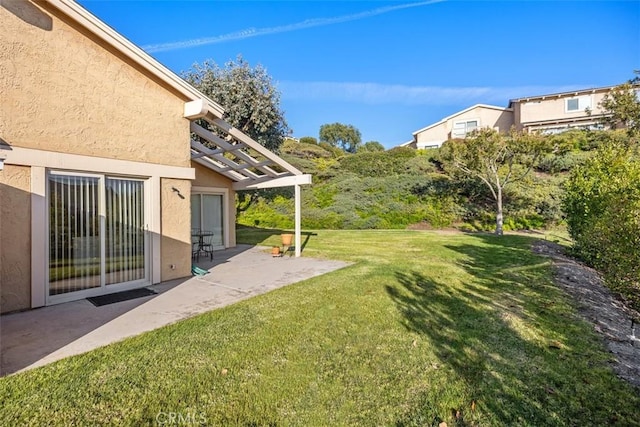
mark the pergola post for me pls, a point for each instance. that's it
(298, 240)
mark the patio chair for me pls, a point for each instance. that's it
(206, 243)
(195, 244)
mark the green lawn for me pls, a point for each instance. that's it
(423, 327)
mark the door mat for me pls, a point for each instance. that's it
(120, 296)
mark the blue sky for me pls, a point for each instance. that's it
(390, 68)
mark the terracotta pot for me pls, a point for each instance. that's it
(286, 239)
(275, 251)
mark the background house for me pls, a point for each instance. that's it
(559, 112)
(458, 125)
(553, 113)
(101, 181)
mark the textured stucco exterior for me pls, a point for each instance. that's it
(497, 118)
(15, 238)
(63, 91)
(207, 178)
(176, 228)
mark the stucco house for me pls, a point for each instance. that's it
(104, 171)
(458, 125)
(552, 113)
(558, 112)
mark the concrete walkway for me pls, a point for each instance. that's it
(37, 337)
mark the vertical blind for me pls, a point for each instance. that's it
(125, 258)
(77, 238)
(74, 237)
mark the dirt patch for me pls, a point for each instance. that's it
(618, 324)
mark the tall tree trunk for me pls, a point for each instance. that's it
(499, 213)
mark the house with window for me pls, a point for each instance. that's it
(108, 160)
(460, 124)
(558, 112)
(547, 114)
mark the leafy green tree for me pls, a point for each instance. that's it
(371, 146)
(340, 135)
(495, 159)
(622, 106)
(248, 95)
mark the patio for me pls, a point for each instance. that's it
(37, 337)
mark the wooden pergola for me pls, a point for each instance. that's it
(231, 153)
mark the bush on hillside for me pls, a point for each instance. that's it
(378, 163)
(602, 206)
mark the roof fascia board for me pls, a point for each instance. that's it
(562, 94)
(80, 15)
(287, 181)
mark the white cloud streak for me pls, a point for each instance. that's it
(257, 32)
(380, 94)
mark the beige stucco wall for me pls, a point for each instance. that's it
(15, 238)
(554, 108)
(208, 178)
(487, 117)
(62, 91)
(176, 228)
(432, 136)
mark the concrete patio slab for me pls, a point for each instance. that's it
(38, 337)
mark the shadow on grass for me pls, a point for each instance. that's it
(502, 338)
(268, 236)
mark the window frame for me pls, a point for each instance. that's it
(104, 288)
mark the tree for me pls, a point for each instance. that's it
(371, 146)
(248, 95)
(622, 108)
(346, 137)
(495, 159)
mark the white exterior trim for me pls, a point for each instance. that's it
(286, 181)
(42, 161)
(39, 236)
(50, 159)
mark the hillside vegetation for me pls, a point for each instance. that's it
(403, 187)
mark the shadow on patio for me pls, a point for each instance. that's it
(37, 337)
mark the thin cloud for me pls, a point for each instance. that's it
(256, 32)
(375, 93)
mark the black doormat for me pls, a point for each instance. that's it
(120, 296)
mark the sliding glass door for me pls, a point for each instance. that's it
(97, 236)
(206, 215)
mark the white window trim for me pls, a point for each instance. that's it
(465, 121)
(581, 106)
(87, 293)
(40, 161)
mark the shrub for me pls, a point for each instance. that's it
(602, 206)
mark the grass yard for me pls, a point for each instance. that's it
(423, 327)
